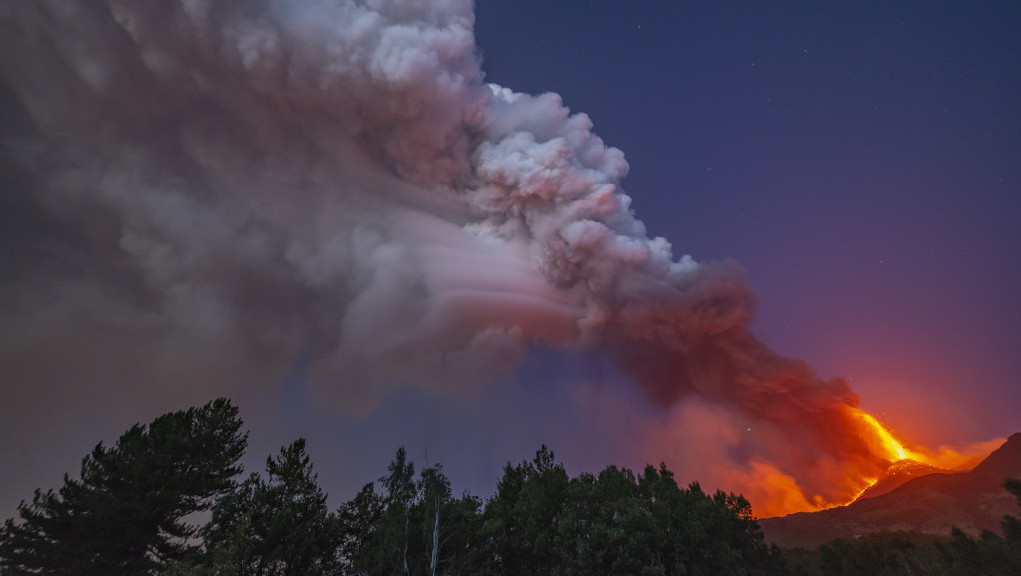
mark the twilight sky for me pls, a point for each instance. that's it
(862, 163)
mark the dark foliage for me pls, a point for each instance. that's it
(275, 526)
(912, 554)
(1012, 524)
(412, 526)
(125, 515)
(542, 522)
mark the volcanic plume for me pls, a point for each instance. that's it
(251, 182)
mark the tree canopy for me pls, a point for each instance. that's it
(275, 525)
(126, 512)
(129, 513)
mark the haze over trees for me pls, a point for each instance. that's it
(132, 511)
(127, 514)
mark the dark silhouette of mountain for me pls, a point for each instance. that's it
(972, 501)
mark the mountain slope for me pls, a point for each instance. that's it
(897, 474)
(973, 501)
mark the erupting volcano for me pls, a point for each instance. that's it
(895, 464)
(250, 183)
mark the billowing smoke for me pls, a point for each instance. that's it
(250, 182)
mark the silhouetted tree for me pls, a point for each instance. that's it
(521, 520)
(125, 514)
(362, 544)
(540, 522)
(278, 525)
(412, 526)
(1012, 524)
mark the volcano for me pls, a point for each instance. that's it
(915, 497)
(897, 474)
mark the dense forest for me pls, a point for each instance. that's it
(169, 498)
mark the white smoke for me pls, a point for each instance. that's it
(331, 177)
(253, 181)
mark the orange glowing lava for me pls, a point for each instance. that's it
(857, 453)
(860, 474)
(884, 444)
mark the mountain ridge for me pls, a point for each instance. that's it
(897, 474)
(973, 501)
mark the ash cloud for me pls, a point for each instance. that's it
(217, 188)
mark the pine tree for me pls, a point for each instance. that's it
(521, 520)
(126, 513)
(275, 526)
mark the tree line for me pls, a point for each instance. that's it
(914, 554)
(133, 509)
(911, 554)
(170, 498)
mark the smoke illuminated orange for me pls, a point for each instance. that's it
(857, 454)
(780, 494)
(884, 445)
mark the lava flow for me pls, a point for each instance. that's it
(884, 451)
(885, 461)
(884, 443)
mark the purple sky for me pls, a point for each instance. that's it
(862, 162)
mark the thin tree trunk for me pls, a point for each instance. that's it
(436, 541)
(407, 518)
